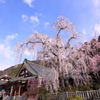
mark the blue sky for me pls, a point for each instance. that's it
(20, 18)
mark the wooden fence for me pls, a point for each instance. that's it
(15, 97)
(86, 95)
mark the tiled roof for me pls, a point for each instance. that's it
(2, 82)
(35, 69)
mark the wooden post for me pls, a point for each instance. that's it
(87, 94)
(7, 91)
(99, 92)
(11, 91)
(14, 92)
(76, 93)
(19, 89)
(67, 94)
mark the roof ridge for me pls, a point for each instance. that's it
(37, 64)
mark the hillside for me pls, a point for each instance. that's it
(13, 70)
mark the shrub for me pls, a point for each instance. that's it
(15, 99)
(42, 90)
(60, 90)
(43, 94)
(83, 88)
(74, 98)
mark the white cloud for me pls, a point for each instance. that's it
(46, 24)
(25, 18)
(1, 48)
(39, 14)
(4, 66)
(5, 48)
(96, 3)
(11, 37)
(31, 20)
(96, 31)
(29, 2)
(96, 6)
(2, 1)
(6, 52)
(84, 31)
(34, 19)
(97, 28)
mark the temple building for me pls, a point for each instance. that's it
(17, 85)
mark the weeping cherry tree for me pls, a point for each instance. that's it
(54, 53)
(92, 50)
